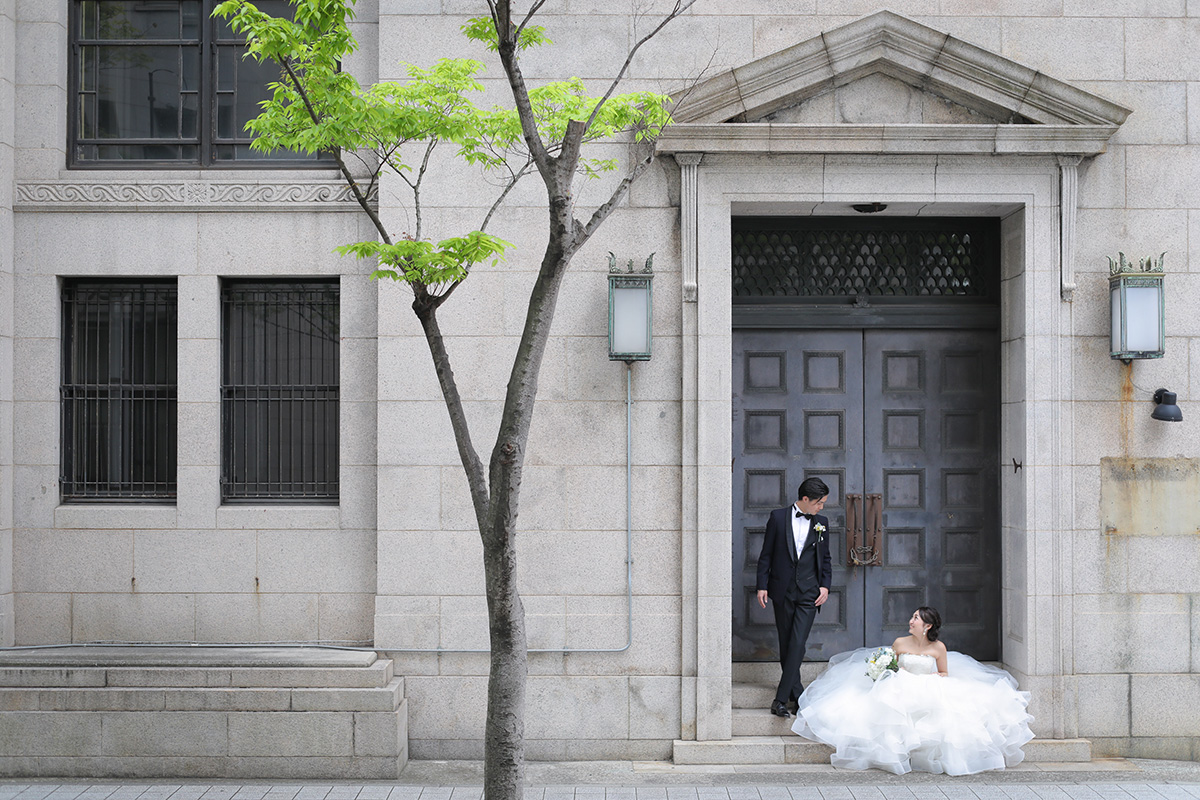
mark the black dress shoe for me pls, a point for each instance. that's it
(779, 709)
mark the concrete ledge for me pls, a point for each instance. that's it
(285, 767)
(198, 656)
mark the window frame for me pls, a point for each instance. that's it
(253, 394)
(73, 392)
(206, 144)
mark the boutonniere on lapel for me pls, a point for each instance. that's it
(820, 529)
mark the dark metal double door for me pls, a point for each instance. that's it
(903, 427)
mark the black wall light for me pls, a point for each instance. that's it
(1165, 408)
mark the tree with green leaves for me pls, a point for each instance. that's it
(394, 128)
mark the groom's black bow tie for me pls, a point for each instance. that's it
(800, 513)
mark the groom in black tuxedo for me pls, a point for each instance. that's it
(794, 569)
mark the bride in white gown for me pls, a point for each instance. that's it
(942, 712)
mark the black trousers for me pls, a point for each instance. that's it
(794, 615)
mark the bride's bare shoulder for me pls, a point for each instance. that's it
(902, 645)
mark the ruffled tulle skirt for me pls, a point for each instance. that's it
(971, 721)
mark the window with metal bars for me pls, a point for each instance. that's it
(279, 391)
(162, 83)
(118, 425)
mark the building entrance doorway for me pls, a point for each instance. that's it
(893, 400)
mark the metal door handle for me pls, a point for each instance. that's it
(864, 530)
(874, 521)
(853, 526)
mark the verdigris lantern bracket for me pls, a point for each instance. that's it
(1138, 308)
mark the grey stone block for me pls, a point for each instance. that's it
(25, 733)
(374, 676)
(37, 676)
(18, 700)
(227, 699)
(743, 750)
(167, 677)
(77, 699)
(385, 699)
(294, 733)
(1058, 750)
(165, 733)
(381, 733)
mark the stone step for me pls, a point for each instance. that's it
(760, 722)
(201, 713)
(767, 672)
(374, 675)
(753, 695)
(752, 750)
(154, 698)
(791, 749)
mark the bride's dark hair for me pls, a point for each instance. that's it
(933, 619)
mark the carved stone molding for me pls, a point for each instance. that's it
(185, 195)
(1068, 206)
(689, 164)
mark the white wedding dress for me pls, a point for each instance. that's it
(970, 721)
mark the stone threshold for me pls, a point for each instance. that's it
(795, 751)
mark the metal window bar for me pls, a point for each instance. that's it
(118, 392)
(280, 391)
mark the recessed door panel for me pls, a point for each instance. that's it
(905, 422)
(793, 418)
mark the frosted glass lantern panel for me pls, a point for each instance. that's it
(1115, 295)
(631, 329)
(1142, 318)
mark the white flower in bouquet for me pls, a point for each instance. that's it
(882, 661)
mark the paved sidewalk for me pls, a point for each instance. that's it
(1103, 779)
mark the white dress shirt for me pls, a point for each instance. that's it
(800, 527)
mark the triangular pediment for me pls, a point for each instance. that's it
(887, 70)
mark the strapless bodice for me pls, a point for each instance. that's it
(918, 664)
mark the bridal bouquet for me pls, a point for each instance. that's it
(881, 662)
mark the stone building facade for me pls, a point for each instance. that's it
(1068, 131)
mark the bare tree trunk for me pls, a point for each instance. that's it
(504, 749)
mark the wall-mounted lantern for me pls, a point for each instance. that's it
(1138, 308)
(629, 311)
(1165, 408)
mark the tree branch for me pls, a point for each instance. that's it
(502, 17)
(601, 213)
(358, 195)
(532, 10)
(426, 312)
(680, 7)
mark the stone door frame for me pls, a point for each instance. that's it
(1025, 192)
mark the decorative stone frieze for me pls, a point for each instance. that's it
(185, 195)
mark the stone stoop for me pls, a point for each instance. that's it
(760, 737)
(262, 712)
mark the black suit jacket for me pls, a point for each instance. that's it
(776, 562)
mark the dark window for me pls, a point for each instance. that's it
(160, 83)
(118, 391)
(279, 391)
(780, 259)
